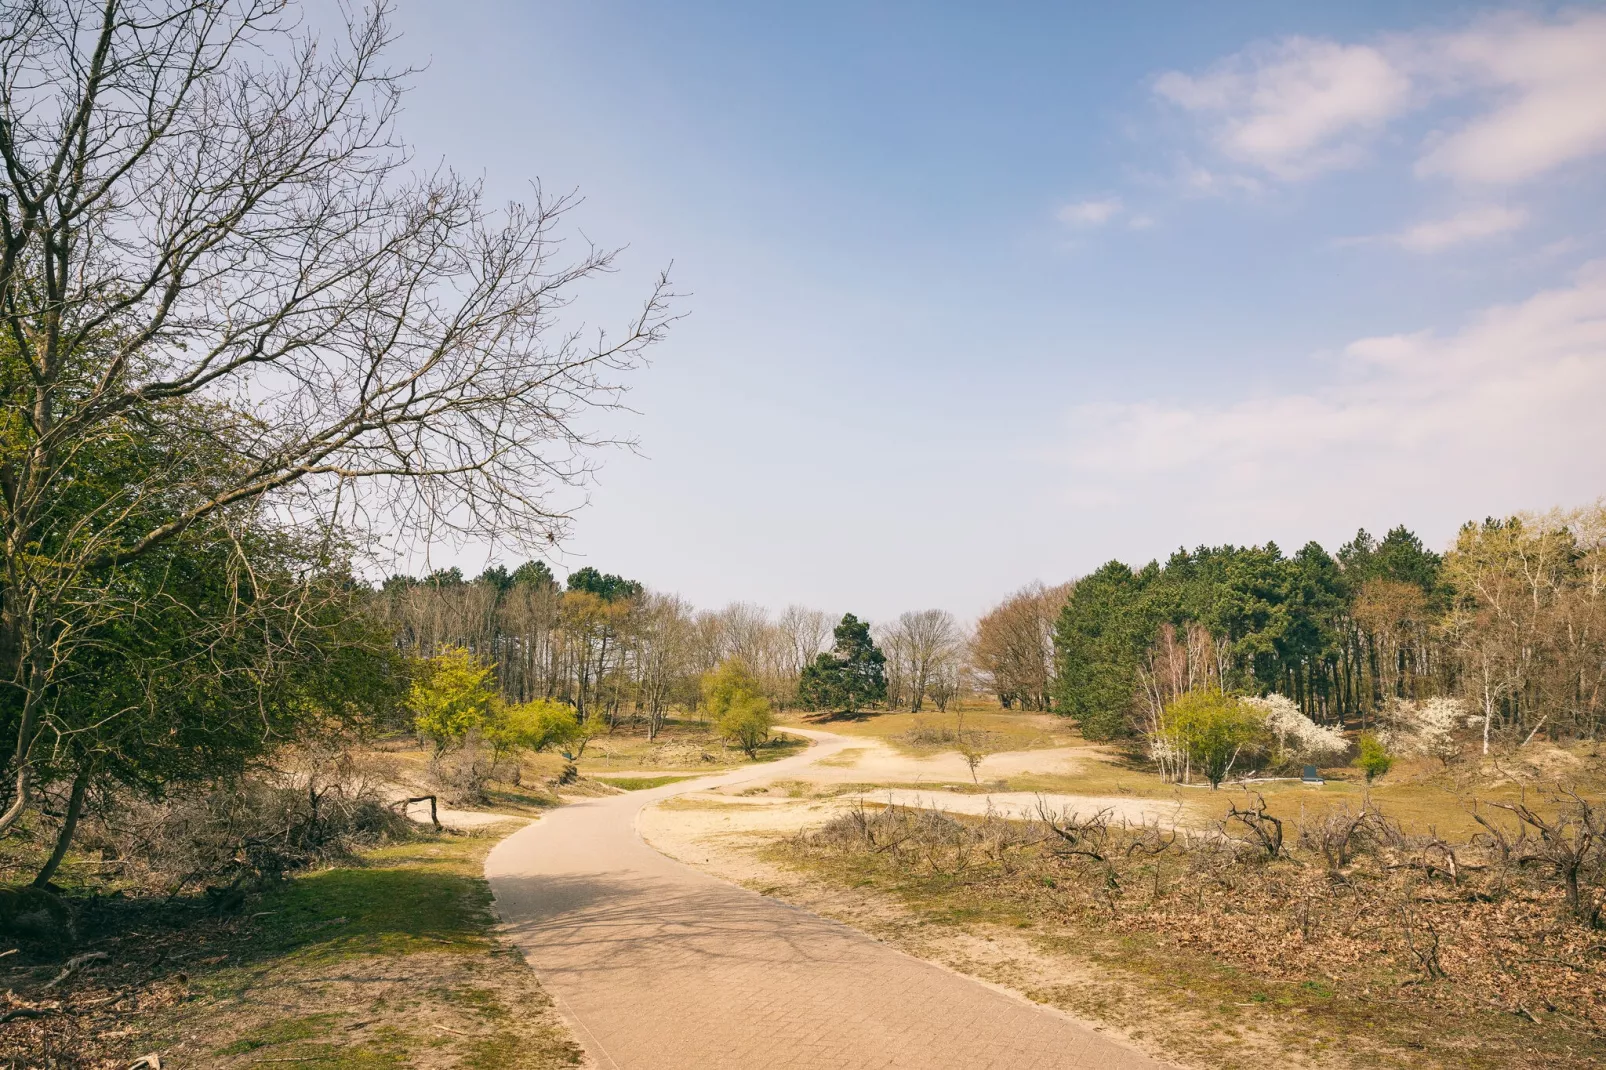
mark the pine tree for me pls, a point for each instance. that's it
(851, 676)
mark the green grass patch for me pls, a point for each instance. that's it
(387, 963)
(423, 896)
(284, 1031)
(639, 783)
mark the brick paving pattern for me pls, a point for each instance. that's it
(660, 967)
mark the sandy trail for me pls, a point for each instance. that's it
(658, 965)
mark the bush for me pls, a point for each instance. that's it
(1298, 738)
(1213, 729)
(460, 774)
(452, 695)
(1374, 759)
(746, 722)
(737, 705)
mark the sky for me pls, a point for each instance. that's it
(982, 294)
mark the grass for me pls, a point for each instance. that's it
(911, 733)
(388, 963)
(641, 783)
(683, 746)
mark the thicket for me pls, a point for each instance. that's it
(600, 643)
(1508, 918)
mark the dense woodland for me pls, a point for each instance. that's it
(1510, 621)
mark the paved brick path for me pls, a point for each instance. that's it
(660, 967)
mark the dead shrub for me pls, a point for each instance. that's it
(1347, 894)
(235, 833)
(461, 774)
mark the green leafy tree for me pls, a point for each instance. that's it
(1374, 759)
(452, 695)
(737, 706)
(852, 675)
(538, 725)
(213, 670)
(1213, 729)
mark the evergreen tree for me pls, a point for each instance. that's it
(851, 676)
(1099, 641)
(605, 585)
(535, 574)
(496, 576)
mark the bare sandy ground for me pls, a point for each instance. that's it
(676, 824)
(460, 819)
(871, 760)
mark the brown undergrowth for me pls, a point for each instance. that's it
(1364, 942)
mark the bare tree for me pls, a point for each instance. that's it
(923, 643)
(745, 629)
(210, 236)
(806, 633)
(1014, 646)
(664, 655)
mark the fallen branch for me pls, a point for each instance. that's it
(73, 965)
(29, 1012)
(434, 819)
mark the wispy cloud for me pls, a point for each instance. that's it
(1294, 107)
(1549, 81)
(1090, 213)
(1473, 224)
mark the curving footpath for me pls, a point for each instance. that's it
(660, 967)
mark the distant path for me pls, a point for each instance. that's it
(661, 967)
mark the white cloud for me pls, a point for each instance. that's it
(1090, 213)
(1504, 413)
(1294, 107)
(1535, 90)
(1551, 83)
(1470, 225)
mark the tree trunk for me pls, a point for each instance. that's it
(69, 825)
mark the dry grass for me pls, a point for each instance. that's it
(929, 732)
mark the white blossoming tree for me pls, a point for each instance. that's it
(1425, 729)
(1298, 737)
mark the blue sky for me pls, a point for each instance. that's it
(982, 294)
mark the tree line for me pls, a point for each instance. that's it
(615, 649)
(1510, 622)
